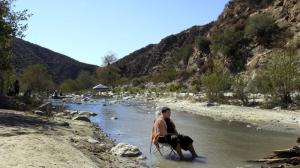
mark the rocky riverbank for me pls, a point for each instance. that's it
(29, 140)
(276, 119)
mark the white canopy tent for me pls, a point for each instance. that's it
(100, 87)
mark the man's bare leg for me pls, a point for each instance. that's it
(192, 150)
(178, 150)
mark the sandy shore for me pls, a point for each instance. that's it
(32, 141)
(278, 120)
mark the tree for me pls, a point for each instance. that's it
(85, 80)
(109, 59)
(216, 81)
(281, 77)
(108, 75)
(36, 78)
(69, 85)
(11, 25)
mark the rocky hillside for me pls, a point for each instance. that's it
(60, 67)
(185, 55)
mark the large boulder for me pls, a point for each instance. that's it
(82, 118)
(87, 113)
(126, 150)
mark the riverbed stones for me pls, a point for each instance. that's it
(126, 150)
(81, 118)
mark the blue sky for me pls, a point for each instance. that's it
(86, 30)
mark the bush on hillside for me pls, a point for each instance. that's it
(262, 28)
(226, 41)
(203, 44)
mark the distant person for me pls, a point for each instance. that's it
(55, 94)
(60, 93)
(164, 131)
(16, 87)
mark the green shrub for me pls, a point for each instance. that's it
(281, 77)
(36, 78)
(175, 87)
(216, 81)
(203, 44)
(182, 53)
(164, 76)
(196, 85)
(240, 90)
(70, 85)
(226, 41)
(262, 28)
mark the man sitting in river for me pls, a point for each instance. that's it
(164, 131)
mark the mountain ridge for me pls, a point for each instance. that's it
(179, 53)
(59, 66)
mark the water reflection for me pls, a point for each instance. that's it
(221, 144)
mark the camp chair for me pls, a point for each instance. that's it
(164, 149)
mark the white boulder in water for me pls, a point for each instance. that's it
(126, 150)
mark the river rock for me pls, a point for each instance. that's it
(209, 104)
(47, 107)
(82, 118)
(62, 123)
(126, 150)
(87, 113)
(141, 158)
(39, 112)
(92, 141)
(114, 118)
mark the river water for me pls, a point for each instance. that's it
(220, 144)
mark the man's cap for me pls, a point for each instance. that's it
(165, 109)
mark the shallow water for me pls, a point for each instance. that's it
(219, 143)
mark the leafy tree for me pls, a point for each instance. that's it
(281, 77)
(108, 75)
(216, 81)
(70, 85)
(36, 78)
(85, 80)
(11, 25)
(262, 28)
(226, 41)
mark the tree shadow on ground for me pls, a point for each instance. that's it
(11, 120)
